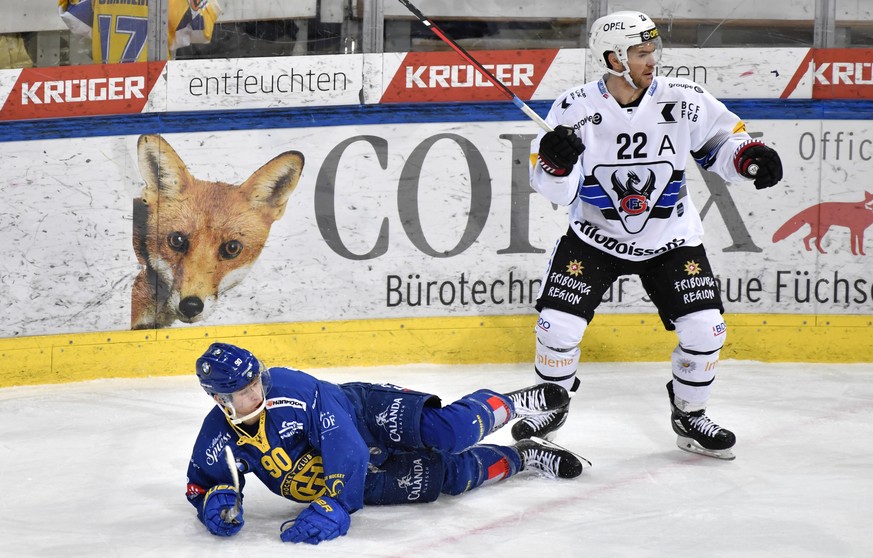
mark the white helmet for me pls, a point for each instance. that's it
(619, 31)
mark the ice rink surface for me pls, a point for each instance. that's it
(98, 469)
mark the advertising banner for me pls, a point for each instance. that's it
(837, 73)
(343, 80)
(546, 74)
(446, 77)
(253, 83)
(731, 73)
(384, 221)
(77, 90)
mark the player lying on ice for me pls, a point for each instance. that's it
(340, 447)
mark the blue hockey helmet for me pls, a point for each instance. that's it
(225, 369)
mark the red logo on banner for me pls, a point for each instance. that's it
(445, 76)
(844, 73)
(81, 90)
(837, 73)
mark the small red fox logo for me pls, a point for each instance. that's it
(195, 239)
(856, 216)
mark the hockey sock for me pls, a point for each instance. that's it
(479, 465)
(465, 422)
(558, 335)
(694, 361)
(693, 374)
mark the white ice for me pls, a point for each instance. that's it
(98, 469)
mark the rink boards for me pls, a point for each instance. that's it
(412, 235)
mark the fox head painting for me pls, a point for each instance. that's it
(195, 239)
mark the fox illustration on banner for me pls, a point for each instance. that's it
(856, 216)
(195, 239)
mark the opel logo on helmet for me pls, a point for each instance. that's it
(649, 34)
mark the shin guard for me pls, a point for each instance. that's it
(695, 359)
(478, 466)
(465, 422)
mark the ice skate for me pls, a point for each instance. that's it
(550, 459)
(698, 434)
(538, 399)
(542, 425)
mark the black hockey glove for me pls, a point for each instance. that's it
(756, 160)
(559, 151)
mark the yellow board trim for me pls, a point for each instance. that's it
(457, 340)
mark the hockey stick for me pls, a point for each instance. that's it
(466, 56)
(231, 514)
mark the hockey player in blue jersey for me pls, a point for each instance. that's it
(340, 447)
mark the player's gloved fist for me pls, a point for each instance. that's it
(559, 151)
(217, 515)
(323, 520)
(756, 160)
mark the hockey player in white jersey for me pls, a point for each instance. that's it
(617, 157)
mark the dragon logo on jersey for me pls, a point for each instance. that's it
(635, 193)
(631, 200)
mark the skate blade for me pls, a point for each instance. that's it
(691, 446)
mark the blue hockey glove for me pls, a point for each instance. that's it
(323, 520)
(559, 151)
(756, 160)
(217, 506)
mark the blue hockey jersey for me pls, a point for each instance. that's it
(308, 444)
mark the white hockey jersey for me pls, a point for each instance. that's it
(627, 194)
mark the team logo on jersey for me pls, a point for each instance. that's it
(305, 481)
(692, 268)
(631, 199)
(633, 193)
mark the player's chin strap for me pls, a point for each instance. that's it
(625, 74)
(230, 411)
